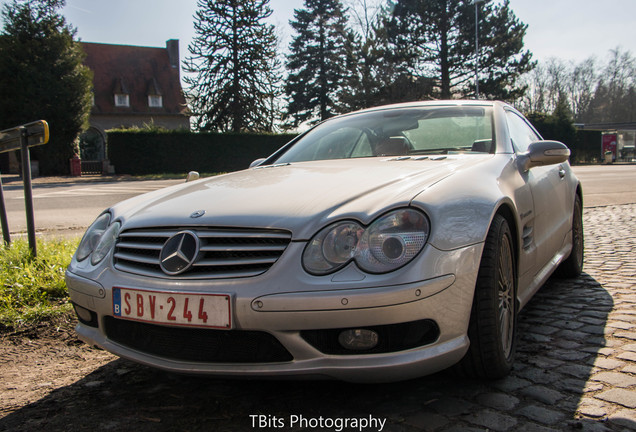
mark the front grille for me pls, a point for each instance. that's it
(391, 338)
(224, 253)
(195, 344)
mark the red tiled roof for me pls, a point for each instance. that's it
(140, 71)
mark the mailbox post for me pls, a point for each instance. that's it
(21, 138)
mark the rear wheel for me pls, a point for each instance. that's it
(493, 321)
(573, 265)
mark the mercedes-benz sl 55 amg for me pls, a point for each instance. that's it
(380, 245)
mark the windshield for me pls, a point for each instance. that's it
(398, 132)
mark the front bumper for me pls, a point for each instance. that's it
(285, 314)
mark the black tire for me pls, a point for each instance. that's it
(493, 320)
(573, 264)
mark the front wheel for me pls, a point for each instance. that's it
(492, 329)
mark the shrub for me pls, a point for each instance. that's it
(151, 152)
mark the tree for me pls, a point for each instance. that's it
(438, 36)
(593, 92)
(580, 87)
(534, 98)
(381, 73)
(359, 86)
(43, 78)
(319, 60)
(547, 84)
(237, 70)
(615, 95)
(558, 125)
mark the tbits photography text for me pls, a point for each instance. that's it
(339, 424)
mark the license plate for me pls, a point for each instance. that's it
(183, 309)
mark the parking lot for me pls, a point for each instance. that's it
(576, 370)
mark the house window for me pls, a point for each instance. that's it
(155, 101)
(122, 100)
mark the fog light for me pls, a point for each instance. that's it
(85, 316)
(358, 339)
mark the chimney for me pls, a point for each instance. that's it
(172, 46)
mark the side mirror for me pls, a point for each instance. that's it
(192, 176)
(541, 153)
(257, 162)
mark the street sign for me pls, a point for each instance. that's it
(37, 133)
(21, 138)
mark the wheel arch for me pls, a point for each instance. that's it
(579, 192)
(505, 209)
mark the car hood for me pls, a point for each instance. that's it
(299, 197)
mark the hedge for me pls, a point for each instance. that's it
(154, 152)
(585, 145)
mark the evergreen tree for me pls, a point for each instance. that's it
(319, 60)
(557, 126)
(380, 73)
(234, 59)
(43, 78)
(438, 36)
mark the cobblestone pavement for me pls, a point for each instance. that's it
(576, 370)
(576, 365)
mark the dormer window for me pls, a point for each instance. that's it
(122, 100)
(121, 93)
(154, 94)
(155, 101)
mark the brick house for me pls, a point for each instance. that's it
(132, 86)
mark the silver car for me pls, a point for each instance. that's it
(380, 245)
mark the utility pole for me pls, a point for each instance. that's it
(476, 3)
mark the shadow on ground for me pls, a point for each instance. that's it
(561, 339)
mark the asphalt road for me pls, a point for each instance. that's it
(68, 208)
(607, 184)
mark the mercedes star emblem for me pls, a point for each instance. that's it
(179, 253)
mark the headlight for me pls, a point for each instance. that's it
(98, 240)
(92, 237)
(392, 241)
(388, 243)
(105, 243)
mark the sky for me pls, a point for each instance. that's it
(569, 29)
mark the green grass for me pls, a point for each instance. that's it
(33, 290)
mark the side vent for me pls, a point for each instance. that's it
(528, 236)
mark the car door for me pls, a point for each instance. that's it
(549, 192)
